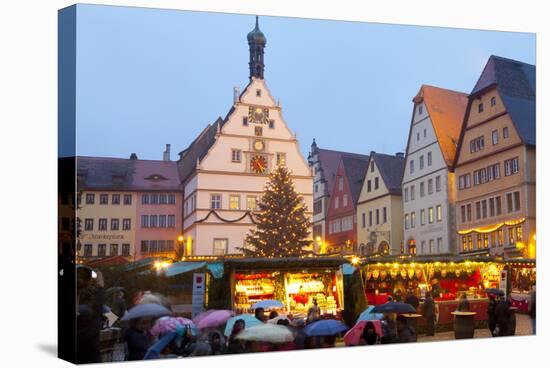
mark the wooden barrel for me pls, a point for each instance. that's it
(464, 324)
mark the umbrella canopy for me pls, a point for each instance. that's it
(170, 324)
(202, 315)
(394, 307)
(367, 315)
(152, 310)
(325, 327)
(115, 289)
(268, 304)
(215, 319)
(266, 332)
(494, 291)
(278, 318)
(249, 321)
(353, 336)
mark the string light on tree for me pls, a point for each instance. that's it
(282, 224)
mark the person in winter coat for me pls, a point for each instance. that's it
(236, 346)
(89, 320)
(389, 329)
(137, 338)
(369, 335)
(412, 299)
(405, 333)
(463, 304)
(428, 312)
(491, 316)
(502, 317)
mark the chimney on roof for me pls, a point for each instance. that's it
(399, 154)
(236, 94)
(166, 153)
(133, 156)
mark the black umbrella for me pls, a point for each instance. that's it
(394, 307)
(115, 289)
(494, 291)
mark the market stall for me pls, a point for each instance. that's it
(523, 275)
(296, 282)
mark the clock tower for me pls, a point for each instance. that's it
(225, 169)
(256, 44)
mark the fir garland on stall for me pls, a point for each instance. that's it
(282, 228)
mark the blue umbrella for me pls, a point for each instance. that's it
(249, 321)
(394, 307)
(325, 327)
(268, 304)
(151, 310)
(155, 349)
(367, 315)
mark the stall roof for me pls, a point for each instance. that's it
(144, 263)
(179, 268)
(287, 262)
(427, 259)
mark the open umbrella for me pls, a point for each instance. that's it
(353, 336)
(266, 332)
(367, 315)
(275, 320)
(268, 304)
(325, 327)
(215, 319)
(494, 291)
(170, 324)
(249, 321)
(152, 310)
(394, 307)
(201, 316)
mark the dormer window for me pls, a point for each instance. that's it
(155, 177)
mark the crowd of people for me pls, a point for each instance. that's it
(149, 337)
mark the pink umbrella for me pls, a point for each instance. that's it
(169, 324)
(353, 336)
(214, 319)
(199, 317)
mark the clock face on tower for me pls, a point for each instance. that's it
(259, 145)
(258, 164)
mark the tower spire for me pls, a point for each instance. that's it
(256, 44)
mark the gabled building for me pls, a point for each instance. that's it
(324, 163)
(380, 206)
(224, 170)
(428, 181)
(341, 219)
(496, 163)
(128, 207)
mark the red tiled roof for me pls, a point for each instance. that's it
(446, 109)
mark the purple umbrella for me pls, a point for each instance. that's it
(214, 319)
(199, 317)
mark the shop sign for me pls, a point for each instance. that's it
(503, 281)
(197, 301)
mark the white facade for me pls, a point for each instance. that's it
(228, 179)
(321, 198)
(428, 202)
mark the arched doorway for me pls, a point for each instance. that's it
(384, 248)
(370, 248)
(412, 247)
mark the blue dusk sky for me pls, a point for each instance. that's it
(147, 77)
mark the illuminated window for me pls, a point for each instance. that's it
(439, 214)
(251, 203)
(464, 243)
(281, 159)
(413, 218)
(493, 239)
(430, 215)
(510, 235)
(220, 246)
(470, 242)
(479, 241)
(519, 233)
(485, 241)
(235, 202)
(500, 234)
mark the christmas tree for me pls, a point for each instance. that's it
(282, 228)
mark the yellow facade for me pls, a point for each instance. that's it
(95, 238)
(496, 215)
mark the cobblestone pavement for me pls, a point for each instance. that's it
(523, 327)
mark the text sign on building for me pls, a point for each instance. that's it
(198, 293)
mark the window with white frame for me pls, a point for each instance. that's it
(234, 202)
(438, 183)
(430, 158)
(340, 183)
(345, 200)
(412, 192)
(422, 217)
(144, 220)
(347, 223)
(220, 247)
(162, 221)
(438, 212)
(430, 215)
(251, 203)
(215, 201)
(406, 194)
(430, 186)
(494, 136)
(421, 162)
(171, 221)
(281, 159)
(102, 224)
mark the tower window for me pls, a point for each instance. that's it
(245, 120)
(258, 93)
(271, 124)
(258, 131)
